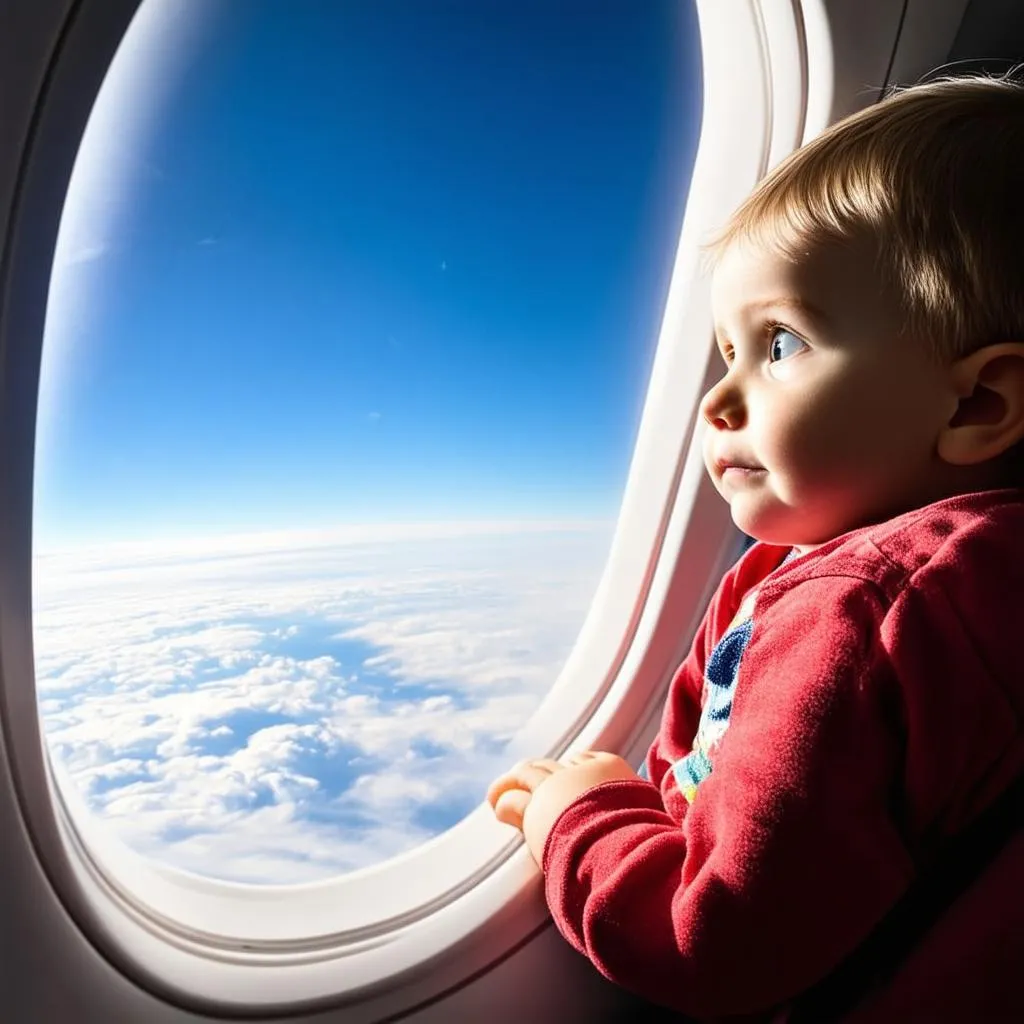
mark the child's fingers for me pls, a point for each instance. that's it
(527, 775)
(511, 806)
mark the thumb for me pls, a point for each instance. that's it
(510, 807)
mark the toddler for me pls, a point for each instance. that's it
(853, 699)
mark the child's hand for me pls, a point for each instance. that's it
(533, 794)
(510, 794)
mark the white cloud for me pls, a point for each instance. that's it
(298, 709)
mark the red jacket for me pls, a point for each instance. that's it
(877, 710)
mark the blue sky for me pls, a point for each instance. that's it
(388, 261)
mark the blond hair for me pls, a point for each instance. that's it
(934, 174)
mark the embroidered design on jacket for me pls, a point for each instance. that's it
(720, 677)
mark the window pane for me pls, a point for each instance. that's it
(345, 356)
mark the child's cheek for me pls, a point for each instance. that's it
(808, 440)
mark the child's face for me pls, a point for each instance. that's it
(834, 413)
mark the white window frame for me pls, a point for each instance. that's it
(398, 934)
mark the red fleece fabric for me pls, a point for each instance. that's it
(877, 711)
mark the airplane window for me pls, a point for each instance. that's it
(346, 350)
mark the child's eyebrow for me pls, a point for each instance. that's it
(789, 302)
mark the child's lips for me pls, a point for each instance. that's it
(737, 471)
(740, 472)
(725, 465)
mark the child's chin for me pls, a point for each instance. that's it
(763, 524)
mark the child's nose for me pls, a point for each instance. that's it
(721, 406)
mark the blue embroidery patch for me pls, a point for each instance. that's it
(720, 678)
(691, 771)
(722, 668)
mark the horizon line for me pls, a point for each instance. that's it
(234, 542)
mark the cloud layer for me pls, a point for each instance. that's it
(288, 711)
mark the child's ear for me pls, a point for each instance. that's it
(989, 416)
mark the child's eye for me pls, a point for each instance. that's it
(784, 344)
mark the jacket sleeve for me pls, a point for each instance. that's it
(789, 854)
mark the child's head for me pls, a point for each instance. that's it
(869, 302)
